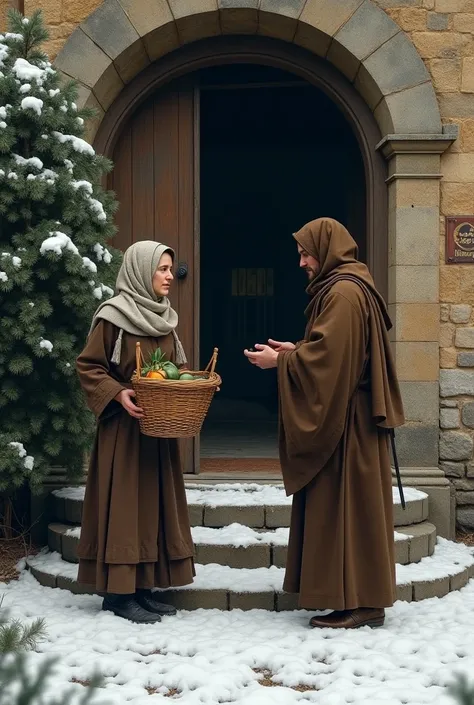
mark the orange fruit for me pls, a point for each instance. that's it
(155, 374)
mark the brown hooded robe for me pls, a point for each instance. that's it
(338, 396)
(135, 526)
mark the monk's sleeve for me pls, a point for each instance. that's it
(93, 368)
(317, 380)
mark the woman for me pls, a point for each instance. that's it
(135, 528)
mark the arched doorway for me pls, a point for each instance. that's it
(224, 163)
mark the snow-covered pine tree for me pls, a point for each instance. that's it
(55, 264)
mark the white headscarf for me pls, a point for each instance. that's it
(136, 308)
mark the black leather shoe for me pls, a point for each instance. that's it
(148, 600)
(128, 608)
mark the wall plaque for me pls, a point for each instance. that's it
(460, 239)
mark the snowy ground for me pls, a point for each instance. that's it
(251, 658)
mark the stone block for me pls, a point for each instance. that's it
(446, 335)
(465, 518)
(404, 593)
(467, 135)
(420, 401)
(237, 19)
(454, 445)
(74, 587)
(459, 580)
(92, 125)
(411, 111)
(286, 601)
(456, 198)
(425, 589)
(467, 76)
(464, 498)
(444, 312)
(466, 359)
(409, 193)
(446, 74)
(445, 45)
(453, 469)
(470, 469)
(413, 284)
(289, 8)
(285, 27)
(460, 313)
(69, 549)
(416, 231)
(437, 21)
(401, 552)
(43, 578)
(196, 599)
(253, 516)
(55, 532)
(417, 361)
(449, 418)
(252, 601)
(277, 516)
(449, 404)
(459, 105)
(328, 16)
(465, 338)
(279, 556)
(419, 543)
(73, 510)
(452, 383)
(394, 67)
(467, 414)
(417, 445)
(110, 29)
(454, 5)
(470, 571)
(147, 17)
(367, 29)
(414, 513)
(82, 59)
(195, 19)
(196, 514)
(255, 556)
(447, 358)
(458, 167)
(465, 484)
(415, 322)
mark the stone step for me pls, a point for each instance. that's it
(221, 587)
(240, 546)
(251, 504)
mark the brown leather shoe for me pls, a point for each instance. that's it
(350, 619)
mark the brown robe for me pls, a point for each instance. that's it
(338, 396)
(135, 526)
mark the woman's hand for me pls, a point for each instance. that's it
(265, 357)
(279, 346)
(125, 398)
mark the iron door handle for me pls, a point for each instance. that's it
(182, 270)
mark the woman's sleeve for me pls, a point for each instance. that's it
(93, 368)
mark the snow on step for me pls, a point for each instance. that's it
(449, 559)
(237, 495)
(236, 535)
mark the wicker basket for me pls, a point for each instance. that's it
(174, 408)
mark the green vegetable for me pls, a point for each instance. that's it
(186, 376)
(171, 370)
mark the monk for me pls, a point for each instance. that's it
(338, 397)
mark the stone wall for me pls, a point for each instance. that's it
(443, 33)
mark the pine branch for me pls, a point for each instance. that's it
(462, 691)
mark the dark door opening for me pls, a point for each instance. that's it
(275, 152)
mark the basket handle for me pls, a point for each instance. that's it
(138, 358)
(212, 362)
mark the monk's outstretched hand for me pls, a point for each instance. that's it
(264, 356)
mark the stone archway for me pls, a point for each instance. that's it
(118, 41)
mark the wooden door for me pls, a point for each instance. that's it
(155, 163)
